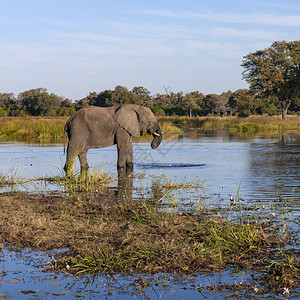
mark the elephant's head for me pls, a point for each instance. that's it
(138, 119)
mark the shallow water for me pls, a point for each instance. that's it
(22, 277)
(260, 168)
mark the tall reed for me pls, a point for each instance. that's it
(49, 129)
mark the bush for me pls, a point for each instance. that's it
(272, 110)
(158, 111)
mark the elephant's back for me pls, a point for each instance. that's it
(95, 114)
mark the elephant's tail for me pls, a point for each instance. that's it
(65, 130)
(65, 134)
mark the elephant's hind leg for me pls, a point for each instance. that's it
(69, 161)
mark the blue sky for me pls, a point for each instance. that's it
(73, 47)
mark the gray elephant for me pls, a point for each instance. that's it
(98, 127)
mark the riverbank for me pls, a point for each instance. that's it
(235, 125)
(104, 231)
(50, 129)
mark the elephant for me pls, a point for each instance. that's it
(98, 127)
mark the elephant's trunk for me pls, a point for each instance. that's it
(157, 138)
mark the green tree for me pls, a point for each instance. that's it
(245, 103)
(66, 111)
(220, 104)
(142, 96)
(93, 98)
(275, 71)
(160, 100)
(38, 102)
(121, 95)
(192, 100)
(8, 103)
(209, 103)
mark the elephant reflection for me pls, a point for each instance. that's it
(98, 127)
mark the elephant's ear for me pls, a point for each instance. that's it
(127, 117)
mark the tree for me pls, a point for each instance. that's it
(172, 98)
(121, 95)
(8, 103)
(245, 103)
(209, 103)
(160, 100)
(275, 72)
(221, 106)
(93, 98)
(143, 96)
(192, 100)
(38, 102)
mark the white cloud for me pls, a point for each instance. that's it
(257, 18)
(254, 18)
(257, 34)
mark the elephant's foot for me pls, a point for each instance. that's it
(68, 171)
(83, 173)
(129, 166)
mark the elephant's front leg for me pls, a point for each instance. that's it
(83, 163)
(125, 151)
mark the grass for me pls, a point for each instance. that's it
(44, 129)
(47, 129)
(234, 125)
(50, 129)
(108, 234)
(94, 182)
(11, 179)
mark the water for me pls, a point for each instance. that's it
(22, 277)
(260, 168)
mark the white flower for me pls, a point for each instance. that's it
(255, 289)
(286, 291)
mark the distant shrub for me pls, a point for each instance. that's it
(272, 110)
(158, 111)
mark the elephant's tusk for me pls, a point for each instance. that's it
(155, 133)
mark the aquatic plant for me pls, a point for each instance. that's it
(11, 179)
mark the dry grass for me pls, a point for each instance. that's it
(47, 129)
(50, 129)
(138, 236)
(235, 125)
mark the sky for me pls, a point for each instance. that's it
(74, 47)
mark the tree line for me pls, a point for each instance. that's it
(273, 75)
